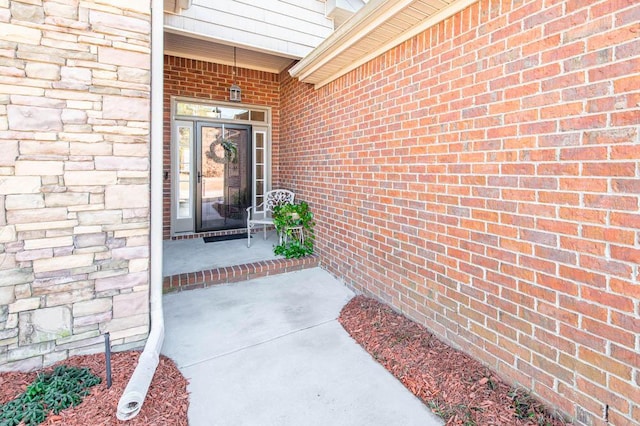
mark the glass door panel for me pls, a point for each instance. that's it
(259, 172)
(183, 180)
(184, 172)
(224, 176)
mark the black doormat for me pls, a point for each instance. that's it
(217, 238)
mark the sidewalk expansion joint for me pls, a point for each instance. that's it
(258, 343)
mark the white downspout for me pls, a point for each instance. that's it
(134, 394)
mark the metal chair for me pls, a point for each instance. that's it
(261, 214)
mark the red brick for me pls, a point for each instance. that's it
(609, 169)
(583, 184)
(627, 16)
(621, 387)
(611, 202)
(591, 153)
(625, 288)
(625, 118)
(569, 21)
(617, 69)
(594, 26)
(610, 267)
(626, 355)
(605, 363)
(526, 10)
(626, 84)
(563, 110)
(626, 254)
(612, 38)
(590, 409)
(602, 394)
(556, 370)
(562, 315)
(581, 338)
(564, 51)
(614, 334)
(626, 321)
(610, 136)
(584, 122)
(625, 152)
(527, 144)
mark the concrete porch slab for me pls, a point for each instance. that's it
(193, 254)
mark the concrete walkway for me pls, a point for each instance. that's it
(270, 352)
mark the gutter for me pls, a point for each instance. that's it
(355, 28)
(134, 394)
(338, 46)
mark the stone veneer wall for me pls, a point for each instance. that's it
(74, 178)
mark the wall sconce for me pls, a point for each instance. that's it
(235, 93)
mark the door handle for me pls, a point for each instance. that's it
(199, 176)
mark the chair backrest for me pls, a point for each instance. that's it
(277, 197)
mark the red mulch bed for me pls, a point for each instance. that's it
(457, 388)
(453, 385)
(166, 403)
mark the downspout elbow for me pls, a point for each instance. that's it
(135, 393)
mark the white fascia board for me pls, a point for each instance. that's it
(362, 23)
(334, 47)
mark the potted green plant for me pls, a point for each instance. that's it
(294, 223)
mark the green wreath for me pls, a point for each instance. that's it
(229, 148)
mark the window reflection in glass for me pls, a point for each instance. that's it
(222, 112)
(184, 168)
(258, 116)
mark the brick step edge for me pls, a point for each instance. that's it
(236, 273)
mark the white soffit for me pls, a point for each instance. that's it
(190, 46)
(379, 26)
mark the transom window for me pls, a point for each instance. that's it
(194, 109)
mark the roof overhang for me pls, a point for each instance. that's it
(379, 26)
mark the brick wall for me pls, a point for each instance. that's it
(74, 178)
(210, 81)
(483, 178)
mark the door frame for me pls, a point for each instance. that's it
(262, 125)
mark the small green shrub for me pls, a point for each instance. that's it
(62, 388)
(288, 216)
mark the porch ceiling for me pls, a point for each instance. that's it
(374, 29)
(201, 48)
